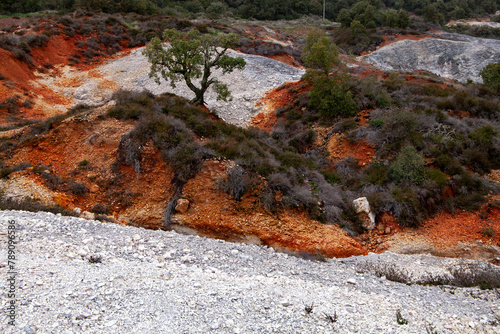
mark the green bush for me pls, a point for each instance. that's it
(332, 98)
(377, 173)
(408, 167)
(438, 177)
(483, 136)
(491, 76)
(331, 177)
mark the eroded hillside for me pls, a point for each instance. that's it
(101, 148)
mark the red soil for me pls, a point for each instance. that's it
(214, 213)
(274, 99)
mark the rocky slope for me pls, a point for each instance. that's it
(154, 281)
(448, 55)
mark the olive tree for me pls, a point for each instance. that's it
(192, 57)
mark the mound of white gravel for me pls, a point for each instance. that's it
(247, 86)
(163, 282)
(453, 56)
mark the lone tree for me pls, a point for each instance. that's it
(192, 56)
(319, 52)
(330, 96)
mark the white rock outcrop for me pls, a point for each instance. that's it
(362, 207)
(453, 56)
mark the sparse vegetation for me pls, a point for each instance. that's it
(488, 231)
(309, 308)
(28, 204)
(399, 318)
(331, 318)
(95, 259)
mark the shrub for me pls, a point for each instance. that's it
(408, 167)
(83, 164)
(491, 76)
(332, 98)
(331, 177)
(237, 182)
(28, 204)
(6, 171)
(448, 164)
(438, 177)
(406, 208)
(76, 188)
(99, 209)
(11, 104)
(377, 173)
(483, 136)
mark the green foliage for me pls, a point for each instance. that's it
(483, 136)
(408, 167)
(331, 177)
(319, 52)
(369, 13)
(491, 76)
(192, 56)
(377, 173)
(332, 98)
(83, 164)
(399, 318)
(438, 177)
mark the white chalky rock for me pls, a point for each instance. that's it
(362, 207)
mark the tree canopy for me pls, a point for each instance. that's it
(319, 52)
(193, 56)
(368, 12)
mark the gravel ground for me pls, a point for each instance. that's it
(163, 282)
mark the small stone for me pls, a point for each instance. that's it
(88, 240)
(387, 230)
(77, 211)
(110, 323)
(136, 237)
(87, 215)
(94, 188)
(182, 205)
(351, 281)
(29, 329)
